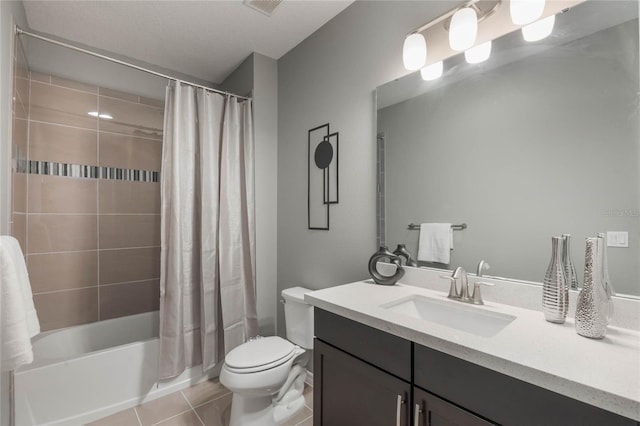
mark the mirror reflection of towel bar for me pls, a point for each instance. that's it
(455, 227)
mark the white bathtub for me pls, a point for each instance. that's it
(86, 372)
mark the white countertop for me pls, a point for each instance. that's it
(604, 373)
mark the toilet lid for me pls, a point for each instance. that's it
(265, 351)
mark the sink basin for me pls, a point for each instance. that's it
(452, 314)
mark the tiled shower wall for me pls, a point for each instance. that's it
(92, 202)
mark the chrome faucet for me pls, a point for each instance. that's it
(463, 294)
(482, 266)
(464, 282)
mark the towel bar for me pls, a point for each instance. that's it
(460, 227)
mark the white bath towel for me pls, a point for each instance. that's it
(436, 242)
(19, 320)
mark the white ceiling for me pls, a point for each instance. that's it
(204, 39)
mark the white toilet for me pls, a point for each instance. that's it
(267, 374)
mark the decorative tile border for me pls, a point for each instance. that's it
(50, 168)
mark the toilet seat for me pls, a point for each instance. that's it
(259, 355)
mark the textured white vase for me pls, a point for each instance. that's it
(593, 303)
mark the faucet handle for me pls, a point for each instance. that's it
(453, 291)
(477, 295)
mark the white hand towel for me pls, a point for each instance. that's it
(436, 242)
(19, 320)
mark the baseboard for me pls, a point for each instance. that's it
(309, 379)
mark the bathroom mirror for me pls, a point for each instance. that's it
(539, 140)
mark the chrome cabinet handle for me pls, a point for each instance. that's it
(416, 415)
(399, 403)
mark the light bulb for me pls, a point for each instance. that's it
(526, 11)
(463, 29)
(414, 52)
(479, 53)
(539, 29)
(432, 72)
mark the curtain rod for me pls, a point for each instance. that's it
(20, 31)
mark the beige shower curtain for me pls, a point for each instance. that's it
(207, 278)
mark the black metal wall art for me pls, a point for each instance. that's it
(322, 178)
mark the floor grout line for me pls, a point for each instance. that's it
(304, 420)
(137, 416)
(172, 417)
(192, 409)
(213, 400)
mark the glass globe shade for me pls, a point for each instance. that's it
(463, 29)
(414, 52)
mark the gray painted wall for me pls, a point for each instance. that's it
(331, 77)
(540, 147)
(258, 74)
(265, 99)
(240, 81)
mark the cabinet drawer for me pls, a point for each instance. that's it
(502, 398)
(385, 351)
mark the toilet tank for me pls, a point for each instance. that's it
(298, 317)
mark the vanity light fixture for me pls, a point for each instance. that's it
(524, 12)
(463, 29)
(539, 29)
(432, 71)
(414, 51)
(461, 23)
(479, 53)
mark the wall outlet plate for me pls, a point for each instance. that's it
(617, 239)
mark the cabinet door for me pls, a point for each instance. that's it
(429, 410)
(348, 391)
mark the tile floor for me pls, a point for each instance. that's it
(205, 404)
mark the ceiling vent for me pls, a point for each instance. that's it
(265, 7)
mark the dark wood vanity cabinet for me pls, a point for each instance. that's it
(364, 376)
(361, 376)
(356, 393)
(502, 398)
(429, 410)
